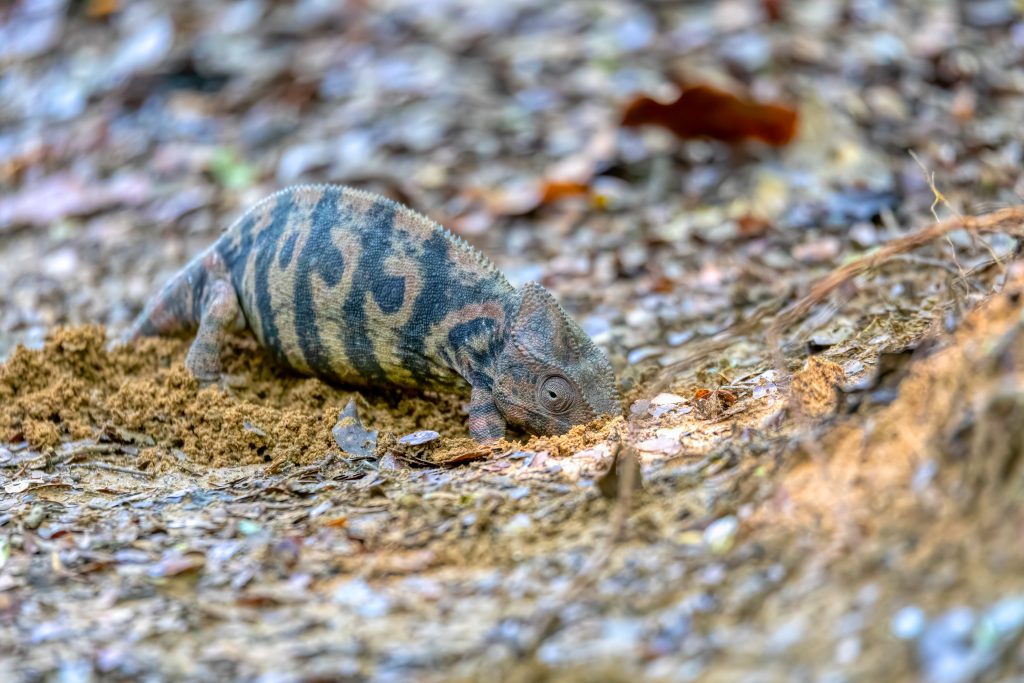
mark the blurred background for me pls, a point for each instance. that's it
(132, 132)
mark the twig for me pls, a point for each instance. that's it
(931, 262)
(112, 468)
(939, 198)
(1009, 220)
(80, 450)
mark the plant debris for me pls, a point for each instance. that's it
(802, 258)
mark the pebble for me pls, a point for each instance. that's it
(636, 31)
(989, 13)
(679, 338)
(924, 474)
(853, 367)
(864, 235)
(1007, 615)
(788, 634)
(908, 623)
(351, 436)
(720, 534)
(144, 48)
(848, 650)
(639, 317)
(420, 437)
(659, 445)
(665, 399)
(519, 523)
(821, 250)
(363, 599)
(643, 353)
(638, 407)
(749, 50)
(945, 650)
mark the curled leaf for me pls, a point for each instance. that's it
(705, 112)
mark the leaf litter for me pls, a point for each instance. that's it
(817, 475)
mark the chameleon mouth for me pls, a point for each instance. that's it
(524, 414)
(606, 404)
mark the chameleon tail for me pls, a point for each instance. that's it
(177, 308)
(199, 298)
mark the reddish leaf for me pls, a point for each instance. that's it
(97, 9)
(710, 404)
(773, 10)
(752, 226)
(556, 190)
(702, 111)
(724, 395)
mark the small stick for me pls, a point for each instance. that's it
(112, 468)
(1009, 220)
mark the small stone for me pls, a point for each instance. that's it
(1007, 615)
(253, 429)
(145, 47)
(388, 463)
(35, 517)
(853, 367)
(519, 523)
(351, 436)
(360, 597)
(720, 534)
(908, 623)
(638, 355)
(420, 437)
(848, 650)
(639, 407)
(823, 250)
(247, 527)
(864, 235)
(659, 445)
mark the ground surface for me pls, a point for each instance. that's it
(830, 493)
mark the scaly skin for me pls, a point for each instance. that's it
(357, 289)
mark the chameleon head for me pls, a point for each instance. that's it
(550, 375)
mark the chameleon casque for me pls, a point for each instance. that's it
(357, 289)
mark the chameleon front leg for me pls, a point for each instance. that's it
(221, 314)
(485, 422)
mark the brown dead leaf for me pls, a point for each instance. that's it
(556, 190)
(97, 9)
(711, 403)
(750, 226)
(701, 111)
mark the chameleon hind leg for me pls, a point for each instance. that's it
(200, 297)
(220, 315)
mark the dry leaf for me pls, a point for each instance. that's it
(705, 112)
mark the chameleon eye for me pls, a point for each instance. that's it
(556, 394)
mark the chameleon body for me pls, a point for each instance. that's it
(357, 289)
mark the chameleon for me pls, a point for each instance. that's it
(357, 289)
